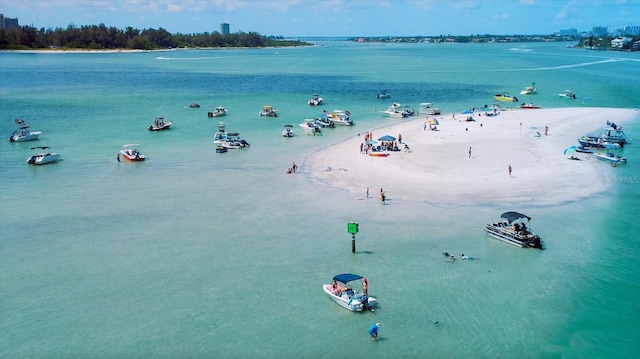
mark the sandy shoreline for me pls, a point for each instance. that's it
(438, 169)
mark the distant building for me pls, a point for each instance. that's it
(599, 31)
(620, 42)
(224, 29)
(631, 30)
(569, 32)
(8, 22)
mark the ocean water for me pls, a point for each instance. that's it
(198, 254)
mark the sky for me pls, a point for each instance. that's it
(332, 18)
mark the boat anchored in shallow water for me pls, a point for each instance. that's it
(218, 112)
(350, 291)
(610, 157)
(43, 157)
(505, 98)
(160, 124)
(132, 152)
(23, 133)
(512, 229)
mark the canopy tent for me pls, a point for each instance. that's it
(346, 278)
(514, 216)
(387, 138)
(569, 150)
(434, 122)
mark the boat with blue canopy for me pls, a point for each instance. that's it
(514, 228)
(351, 292)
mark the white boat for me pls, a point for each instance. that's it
(268, 111)
(567, 94)
(132, 152)
(383, 94)
(529, 106)
(512, 229)
(426, 108)
(160, 125)
(226, 139)
(315, 100)
(23, 133)
(217, 112)
(529, 90)
(349, 291)
(43, 157)
(340, 118)
(611, 136)
(287, 131)
(610, 157)
(397, 110)
(324, 121)
(310, 125)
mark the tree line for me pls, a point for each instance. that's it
(101, 37)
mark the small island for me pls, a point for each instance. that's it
(101, 37)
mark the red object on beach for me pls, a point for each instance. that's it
(379, 154)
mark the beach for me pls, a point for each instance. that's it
(438, 167)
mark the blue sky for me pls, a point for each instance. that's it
(332, 17)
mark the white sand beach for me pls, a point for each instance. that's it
(439, 170)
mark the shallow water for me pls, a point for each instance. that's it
(194, 254)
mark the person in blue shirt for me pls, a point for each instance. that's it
(373, 330)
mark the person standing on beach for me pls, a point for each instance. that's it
(294, 167)
(509, 170)
(400, 138)
(367, 192)
(373, 330)
(469, 152)
(425, 127)
(546, 130)
(383, 198)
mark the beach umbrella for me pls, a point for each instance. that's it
(434, 122)
(387, 138)
(569, 150)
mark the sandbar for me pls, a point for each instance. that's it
(438, 169)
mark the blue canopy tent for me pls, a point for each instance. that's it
(387, 138)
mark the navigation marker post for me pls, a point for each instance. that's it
(352, 228)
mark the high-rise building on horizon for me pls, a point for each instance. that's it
(8, 22)
(224, 29)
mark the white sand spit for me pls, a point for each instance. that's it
(438, 169)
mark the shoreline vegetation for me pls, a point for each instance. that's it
(101, 37)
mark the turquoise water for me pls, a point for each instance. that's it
(197, 254)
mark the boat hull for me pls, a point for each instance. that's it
(510, 237)
(355, 303)
(31, 136)
(42, 159)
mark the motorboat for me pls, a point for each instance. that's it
(217, 112)
(340, 118)
(132, 152)
(310, 125)
(426, 108)
(22, 133)
(350, 291)
(383, 94)
(397, 110)
(221, 149)
(529, 106)
(324, 121)
(43, 157)
(611, 136)
(268, 111)
(194, 105)
(287, 131)
(513, 228)
(315, 100)
(160, 125)
(583, 149)
(228, 139)
(567, 94)
(529, 90)
(610, 157)
(506, 98)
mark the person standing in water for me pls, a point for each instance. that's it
(373, 330)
